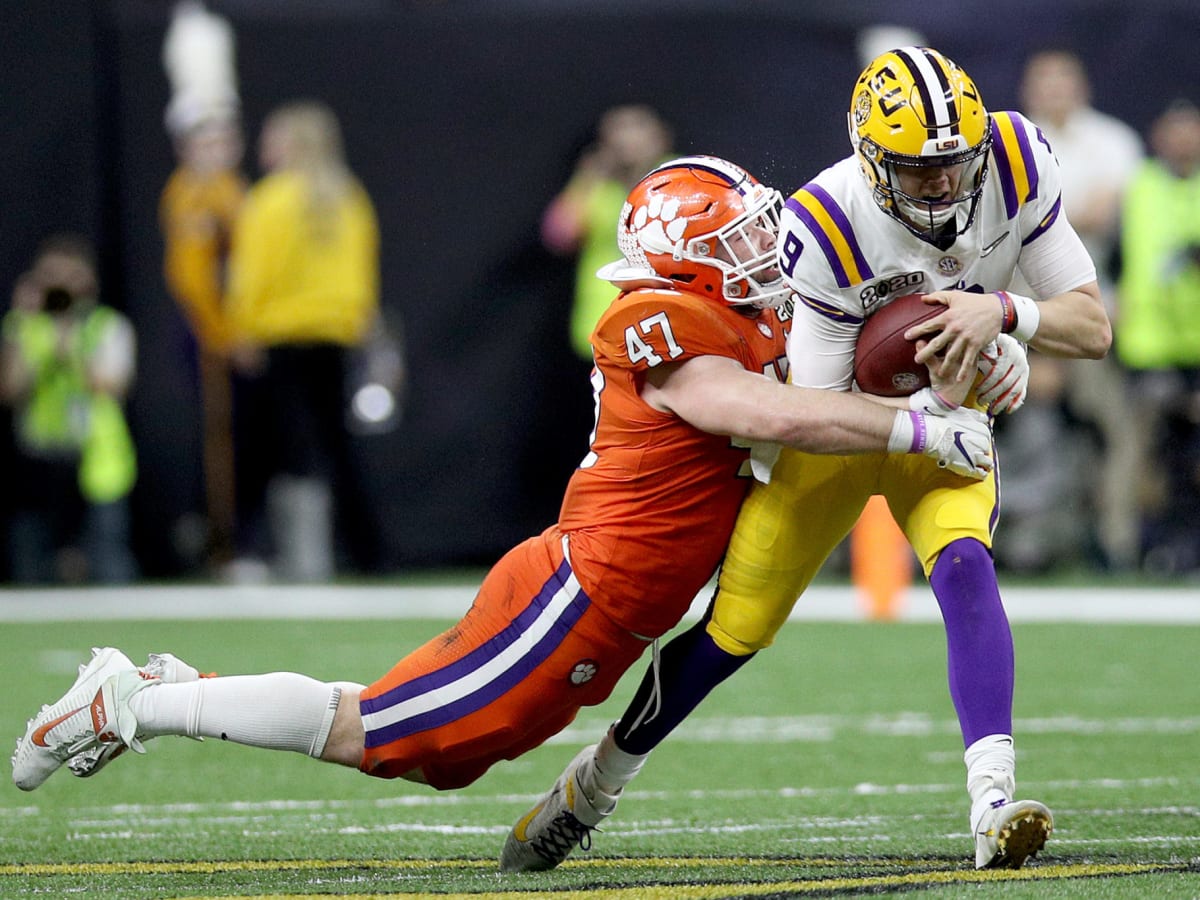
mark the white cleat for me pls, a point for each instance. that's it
(164, 667)
(1011, 833)
(562, 820)
(93, 712)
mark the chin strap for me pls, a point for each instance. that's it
(629, 278)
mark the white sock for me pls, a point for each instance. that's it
(278, 711)
(611, 768)
(991, 773)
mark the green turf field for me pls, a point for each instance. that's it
(830, 766)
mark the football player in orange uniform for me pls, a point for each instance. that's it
(941, 198)
(688, 371)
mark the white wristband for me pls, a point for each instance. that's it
(1028, 317)
(908, 433)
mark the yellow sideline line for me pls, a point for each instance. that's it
(205, 867)
(738, 890)
(642, 892)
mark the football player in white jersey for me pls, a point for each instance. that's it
(940, 198)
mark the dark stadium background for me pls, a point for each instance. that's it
(463, 119)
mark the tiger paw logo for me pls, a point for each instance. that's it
(658, 224)
(862, 108)
(585, 670)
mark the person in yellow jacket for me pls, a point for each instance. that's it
(197, 209)
(303, 293)
(66, 363)
(1157, 334)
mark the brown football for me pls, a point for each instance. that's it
(883, 359)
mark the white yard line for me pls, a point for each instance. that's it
(700, 729)
(124, 813)
(1156, 605)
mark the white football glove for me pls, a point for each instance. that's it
(1005, 369)
(959, 438)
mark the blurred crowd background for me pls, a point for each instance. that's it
(461, 152)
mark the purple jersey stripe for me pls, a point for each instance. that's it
(477, 657)
(1004, 171)
(1031, 169)
(823, 241)
(1046, 222)
(994, 518)
(829, 311)
(1016, 190)
(843, 229)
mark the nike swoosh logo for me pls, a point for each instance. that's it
(39, 736)
(993, 245)
(519, 828)
(959, 444)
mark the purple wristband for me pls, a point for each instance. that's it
(918, 441)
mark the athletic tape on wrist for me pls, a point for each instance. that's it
(1029, 316)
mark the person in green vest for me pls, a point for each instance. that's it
(66, 363)
(630, 141)
(1157, 333)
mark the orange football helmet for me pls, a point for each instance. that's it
(703, 225)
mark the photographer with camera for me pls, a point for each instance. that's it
(66, 362)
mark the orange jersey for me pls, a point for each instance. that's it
(649, 511)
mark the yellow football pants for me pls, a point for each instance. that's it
(787, 529)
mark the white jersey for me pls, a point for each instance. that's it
(845, 257)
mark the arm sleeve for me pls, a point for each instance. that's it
(1056, 261)
(821, 350)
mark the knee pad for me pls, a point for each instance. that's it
(963, 550)
(735, 646)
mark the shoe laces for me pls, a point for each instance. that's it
(88, 762)
(564, 832)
